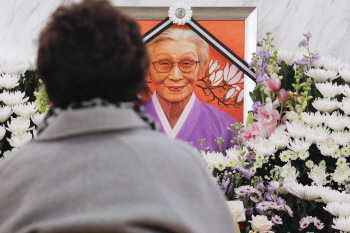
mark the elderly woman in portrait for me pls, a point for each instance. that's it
(178, 58)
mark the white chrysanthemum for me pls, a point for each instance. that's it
(13, 98)
(329, 89)
(37, 118)
(293, 155)
(299, 145)
(280, 138)
(32, 63)
(2, 132)
(336, 121)
(336, 153)
(345, 151)
(180, 13)
(327, 147)
(299, 55)
(215, 159)
(5, 113)
(345, 105)
(252, 170)
(258, 164)
(331, 63)
(14, 149)
(287, 56)
(309, 164)
(345, 74)
(18, 140)
(346, 91)
(341, 174)
(284, 156)
(289, 173)
(18, 125)
(25, 110)
(296, 129)
(322, 163)
(309, 193)
(341, 137)
(15, 69)
(320, 75)
(292, 116)
(342, 224)
(338, 209)
(317, 134)
(341, 162)
(325, 104)
(303, 155)
(312, 119)
(318, 175)
(8, 81)
(265, 147)
(259, 157)
(7, 153)
(334, 196)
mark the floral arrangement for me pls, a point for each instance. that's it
(289, 166)
(22, 106)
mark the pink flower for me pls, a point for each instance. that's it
(252, 130)
(283, 95)
(267, 117)
(304, 223)
(274, 84)
(290, 212)
(277, 219)
(263, 206)
(318, 224)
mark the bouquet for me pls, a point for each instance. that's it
(291, 160)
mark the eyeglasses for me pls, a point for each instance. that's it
(166, 66)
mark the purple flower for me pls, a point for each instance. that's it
(259, 211)
(260, 199)
(315, 56)
(256, 105)
(271, 189)
(302, 43)
(261, 79)
(245, 172)
(260, 43)
(264, 54)
(251, 64)
(260, 186)
(308, 36)
(270, 197)
(304, 62)
(281, 201)
(249, 211)
(224, 186)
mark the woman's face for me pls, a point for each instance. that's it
(174, 85)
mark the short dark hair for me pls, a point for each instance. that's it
(89, 50)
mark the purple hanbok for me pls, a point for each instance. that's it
(202, 121)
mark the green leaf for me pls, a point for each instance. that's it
(208, 93)
(220, 89)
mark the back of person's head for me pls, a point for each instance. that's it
(90, 50)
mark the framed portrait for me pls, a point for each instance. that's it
(211, 53)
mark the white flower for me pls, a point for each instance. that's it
(318, 175)
(32, 63)
(346, 91)
(345, 74)
(345, 105)
(259, 157)
(322, 163)
(2, 132)
(309, 164)
(8, 81)
(325, 104)
(231, 76)
(13, 98)
(309, 193)
(265, 147)
(289, 173)
(18, 140)
(327, 147)
(258, 164)
(252, 170)
(317, 134)
(260, 223)
(285, 156)
(341, 174)
(280, 138)
(341, 162)
(303, 155)
(37, 118)
(25, 110)
(329, 89)
(320, 75)
(336, 121)
(292, 116)
(234, 154)
(180, 13)
(213, 66)
(287, 56)
(293, 156)
(15, 69)
(5, 113)
(336, 153)
(233, 92)
(342, 224)
(296, 129)
(331, 63)
(334, 196)
(345, 151)
(341, 137)
(312, 119)
(237, 210)
(7, 153)
(18, 125)
(215, 159)
(216, 78)
(338, 209)
(299, 145)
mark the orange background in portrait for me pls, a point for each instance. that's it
(232, 35)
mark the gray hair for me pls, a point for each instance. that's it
(176, 34)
